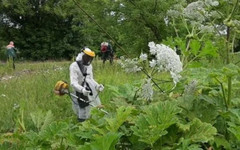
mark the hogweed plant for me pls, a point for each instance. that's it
(206, 21)
(163, 59)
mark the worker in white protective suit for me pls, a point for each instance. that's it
(84, 86)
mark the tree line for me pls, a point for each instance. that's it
(58, 29)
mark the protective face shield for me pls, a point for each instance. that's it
(86, 60)
(87, 57)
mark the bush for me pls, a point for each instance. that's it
(3, 56)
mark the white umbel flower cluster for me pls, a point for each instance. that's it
(130, 65)
(143, 57)
(166, 59)
(147, 90)
(193, 11)
(212, 3)
(191, 88)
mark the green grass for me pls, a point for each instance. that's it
(31, 86)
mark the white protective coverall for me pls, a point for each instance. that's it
(76, 79)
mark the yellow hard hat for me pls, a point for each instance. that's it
(89, 52)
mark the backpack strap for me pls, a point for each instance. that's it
(82, 69)
(85, 103)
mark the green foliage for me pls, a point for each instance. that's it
(152, 125)
(3, 56)
(40, 33)
(126, 91)
(234, 122)
(200, 132)
(209, 50)
(121, 116)
(222, 142)
(195, 46)
(50, 137)
(41, 120)
(106, 142)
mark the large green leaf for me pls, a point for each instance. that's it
(221, 141)
(235, 130)
(234, 123)
(42, 120)
(115, 122)
(230, 70)
(195, 46)
(105, 142)
(209, 50)
(152, 125)
(200, 132)
(54, 130)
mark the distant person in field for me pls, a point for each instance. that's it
(11, 53)
(107, 52)
(84, 86)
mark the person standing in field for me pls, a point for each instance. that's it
(107, 52)
(11, 53)
(84, 86)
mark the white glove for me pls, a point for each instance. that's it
(100, 88)
(85, 92)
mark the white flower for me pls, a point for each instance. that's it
(15, 106)
(152, 48)
(3, 95)
(193, 11)
(236, 23)
(215, 3)
(215, 14)
(166, 59)
(147, 90)
(153, 63)
(173, 13)
(151, 44)
(206, 29)
(143, 57)
(130, 65)
(211, 3)
(191, 87)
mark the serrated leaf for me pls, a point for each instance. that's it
(181, 44)
(53, 130)
(221, 141)
(235, 130)
(115, 122)
(41, 119)
(208, 50)
(230, 70)
(48, 119)
(195, 46)
(152, 125)
(106, 142)
(200, 131)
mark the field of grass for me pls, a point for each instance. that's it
(29, 88)
(194, 115)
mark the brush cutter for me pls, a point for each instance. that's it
(62, 88)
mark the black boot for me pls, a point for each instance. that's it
(81, 120)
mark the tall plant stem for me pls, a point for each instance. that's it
(185, 59)
(228, 61)
(229, 90)
(228, 57)
(233, 42)
(223, 92)
(227, 45)
(145, 72)
(175, 29)
(234, 9)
